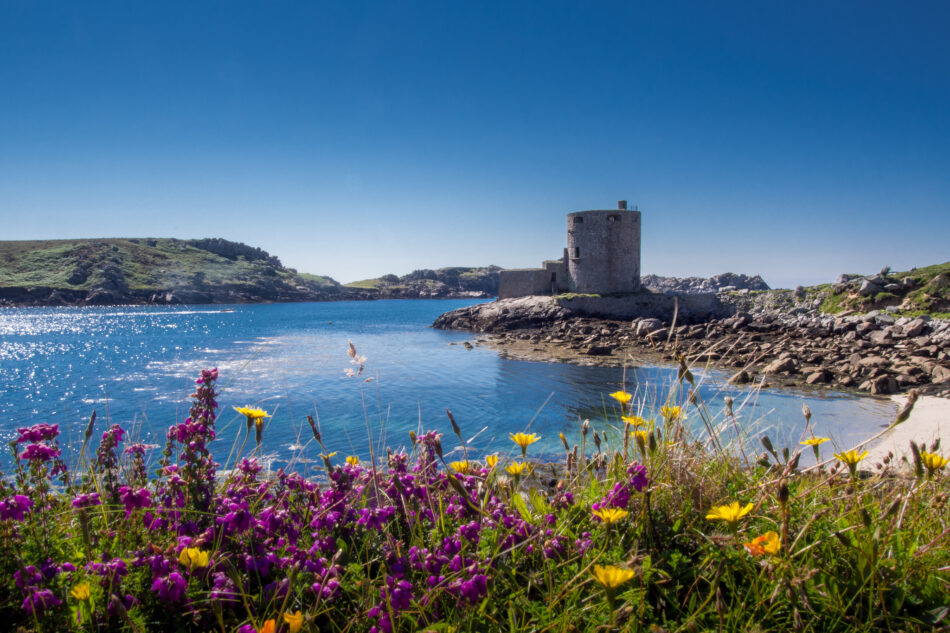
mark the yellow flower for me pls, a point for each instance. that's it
(814, 441)
(610, 515)
(327, 455)
(516, 468)
(622, 397)
(634, 420)
(641, 436)
(80, 591)
(523, 439)
(730, 513)
(294, 621)
(851, 458)
(193, 558)
(252, 413)
(352, 460)
(460, 467)
(612, 577)
(933, 461)
(491, 460)
(768, 543)
(671, 413)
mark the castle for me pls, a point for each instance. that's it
(602, 257)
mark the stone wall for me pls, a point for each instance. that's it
(690, 308)
(603, 251)
(522, 282)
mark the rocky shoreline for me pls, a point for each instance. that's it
(876, 353)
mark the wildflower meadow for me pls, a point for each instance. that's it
(647, 527)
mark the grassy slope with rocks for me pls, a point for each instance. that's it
(113, 270)
(911, 293)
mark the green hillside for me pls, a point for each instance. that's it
(160, 270)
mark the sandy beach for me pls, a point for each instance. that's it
(929, 420)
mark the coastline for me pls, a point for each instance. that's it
(928, 421)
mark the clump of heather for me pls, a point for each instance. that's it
(681, 538)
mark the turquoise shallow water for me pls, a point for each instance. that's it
(135, 366)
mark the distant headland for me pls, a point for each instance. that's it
(168, 271)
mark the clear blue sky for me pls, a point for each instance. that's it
(792, 139)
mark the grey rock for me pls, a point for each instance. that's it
(868, 288)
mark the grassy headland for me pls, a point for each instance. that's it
(161, 270)
(171, 271)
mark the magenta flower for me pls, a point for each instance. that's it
(85, 500)
(133, 499)
(38, 433)
(170, 588)
(15, 507)
(40, 453)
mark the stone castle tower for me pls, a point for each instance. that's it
(602, 257)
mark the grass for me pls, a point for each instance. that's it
(368, 284)
(409, 541)
(141, 265)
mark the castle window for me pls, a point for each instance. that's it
(578, 219)
(613, 218)
(575, 252)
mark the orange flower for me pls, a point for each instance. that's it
(768, 543)
(270, 626)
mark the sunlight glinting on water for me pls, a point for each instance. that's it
(136, 367)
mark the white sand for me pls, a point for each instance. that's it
(929, 420)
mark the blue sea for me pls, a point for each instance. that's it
(136, 366)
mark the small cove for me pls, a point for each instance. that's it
(136, 366)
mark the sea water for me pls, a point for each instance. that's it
(135, 366)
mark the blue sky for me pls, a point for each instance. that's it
(796, 140)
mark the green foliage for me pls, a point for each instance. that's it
(146, 265)
(851, 553)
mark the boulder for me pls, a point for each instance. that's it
(645, 326)
(883, 385)
(939, 374)
(780, 365)
(868, 288)
(741, 378)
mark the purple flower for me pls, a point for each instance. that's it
(638, 476)
(138, 448)
(375, 518)
(38, 433)
(619, 496)
(15, 507)
(40, 453)
(474, 589)
(85, 500)
(38, 601)
(133, 499)
(170, 588)
(115, 431)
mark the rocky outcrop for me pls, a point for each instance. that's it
(877, 353)
(701, 285)
(443, 283)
